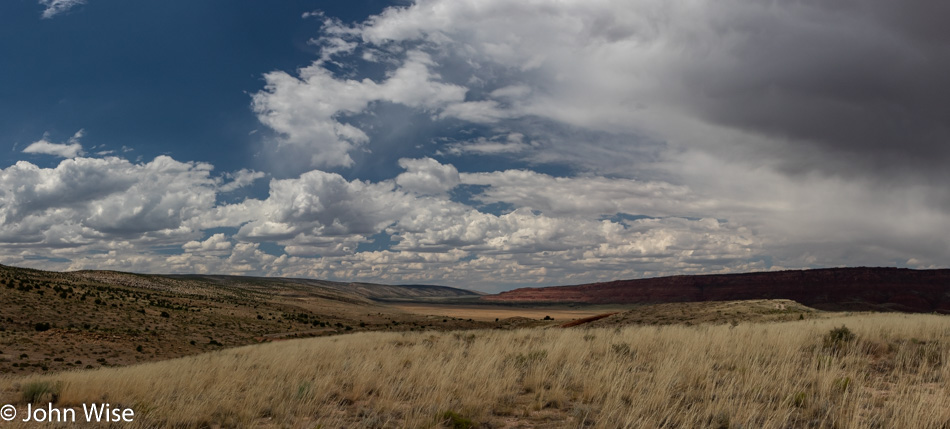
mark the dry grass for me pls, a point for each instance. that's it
(893, 373)
(713, 312)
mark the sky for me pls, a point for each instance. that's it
(484, 144)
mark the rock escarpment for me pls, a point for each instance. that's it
(828, 289)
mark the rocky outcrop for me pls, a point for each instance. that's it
(828, 289)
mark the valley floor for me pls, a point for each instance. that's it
(488, 313)
(839, 371)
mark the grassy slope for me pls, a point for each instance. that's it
(893, 373)
(712, 312)
(101, 318)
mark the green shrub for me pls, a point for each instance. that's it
(838, 339)
(623, 350)
(522, 361)
(40, 391)
(456, 421)
(799, 399)
(842, 384)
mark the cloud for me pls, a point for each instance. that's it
(511, 144)
(91, 200)
(113, 214)
(586, 196)
(56, 7)
(71, 149)
(322, 214)
(57, 149)
(851, 88)
(427, 176)
(325, 204)
(795, 120)
(216, 244)
(646, 138)
(240, 179)
(309, 112)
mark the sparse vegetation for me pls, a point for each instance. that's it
(90, 314)
(838, 339)
(456, 421)
(761, 363)
(40, 391)
(42, 326)
(893, 373)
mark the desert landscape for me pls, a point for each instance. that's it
(196, 351)
(474, 214)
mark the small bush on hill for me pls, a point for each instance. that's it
(40, 391)
(456, 421)
(42, 326)
(838, 339)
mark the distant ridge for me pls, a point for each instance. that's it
(861, 288)
(373, 291)
(343, 291)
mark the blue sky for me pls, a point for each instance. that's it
(160, 77)
(480, 144)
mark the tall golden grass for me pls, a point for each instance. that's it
(892, 374)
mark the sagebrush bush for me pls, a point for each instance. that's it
(838, 339)
(457, 421)
(40, 391)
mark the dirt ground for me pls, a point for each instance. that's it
(488, 313)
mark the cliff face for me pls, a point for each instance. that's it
(830, 289)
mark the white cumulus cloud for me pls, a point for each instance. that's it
(71, 149)
(309, 111)
(427, 176)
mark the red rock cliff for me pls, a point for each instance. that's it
(832, 289)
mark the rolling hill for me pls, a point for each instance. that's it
(90, 319)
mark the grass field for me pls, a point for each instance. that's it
(883, 371)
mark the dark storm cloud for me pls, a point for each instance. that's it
(864, 83)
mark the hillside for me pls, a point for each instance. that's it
(293, 286)
(881, 289)
(371, 291)
(707, 313)
(52, 321)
